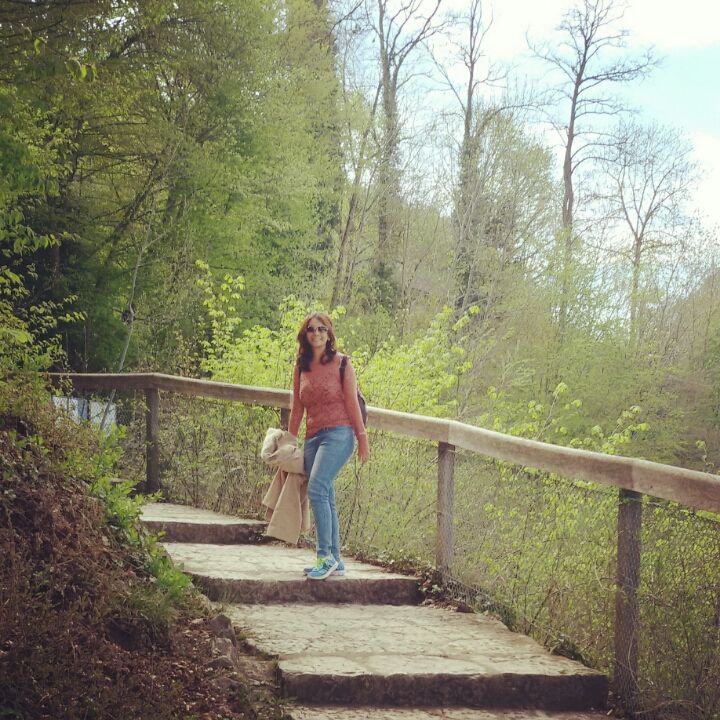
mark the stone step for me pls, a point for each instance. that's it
(181, 523)
(366, 712)
(272, 573)
(413, 656)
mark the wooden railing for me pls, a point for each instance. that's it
(633, 477)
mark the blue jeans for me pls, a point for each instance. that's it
(325, 453)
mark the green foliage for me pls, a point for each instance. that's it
(170, 582)
(254, 356)
(186, 130)
(28, 325)
(562, 421)
(28, 337)
(420, 376)
(680, 561)
(123, 507)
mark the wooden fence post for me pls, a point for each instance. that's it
(152, 446)
(284, 418)
(627, 607)
(445, 541)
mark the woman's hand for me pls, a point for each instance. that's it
(363, 448)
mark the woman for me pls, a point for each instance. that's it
(332, 424)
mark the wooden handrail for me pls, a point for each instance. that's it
(692, 488)
(173, 383)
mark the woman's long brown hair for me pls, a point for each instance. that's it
(305, 351)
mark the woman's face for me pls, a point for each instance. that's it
(316, 333)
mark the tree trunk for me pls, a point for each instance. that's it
(388, 191)
(635, 293)
(568, 208)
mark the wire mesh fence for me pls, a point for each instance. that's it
(537, 550)
(209, 451)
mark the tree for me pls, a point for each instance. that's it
(464, 218)
(309, 54)
(507, 210)
(359, 125)
(399, 33)
(651, 173)
(207, 132)
(589, 57)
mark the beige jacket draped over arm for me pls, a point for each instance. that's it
(286, 503)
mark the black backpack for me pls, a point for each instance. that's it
(361, 398)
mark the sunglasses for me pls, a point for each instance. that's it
(319, 328)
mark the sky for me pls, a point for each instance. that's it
(683, 92)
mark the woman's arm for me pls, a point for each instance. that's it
(298, 409)
(353, 408)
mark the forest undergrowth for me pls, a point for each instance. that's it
(96, 623)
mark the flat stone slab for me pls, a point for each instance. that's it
(181, 523)
(413, 656)
(394, 713)
(272, 573)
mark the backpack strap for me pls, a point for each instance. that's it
(361, 399)
(343, 365)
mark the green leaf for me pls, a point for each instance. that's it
(74, 68)
(560, 389)
(20, 337)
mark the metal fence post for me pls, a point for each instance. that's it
(627, 608)
(445, 498)
(152, 445)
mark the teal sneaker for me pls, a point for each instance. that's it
(323, 568)
(339, 570)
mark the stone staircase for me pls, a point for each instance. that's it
(359, 646)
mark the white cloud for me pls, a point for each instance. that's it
(663, 23)
(511, 20)
(707, 198)
(666, 24)
(514, 19)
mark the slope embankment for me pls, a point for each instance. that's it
(92, 625)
